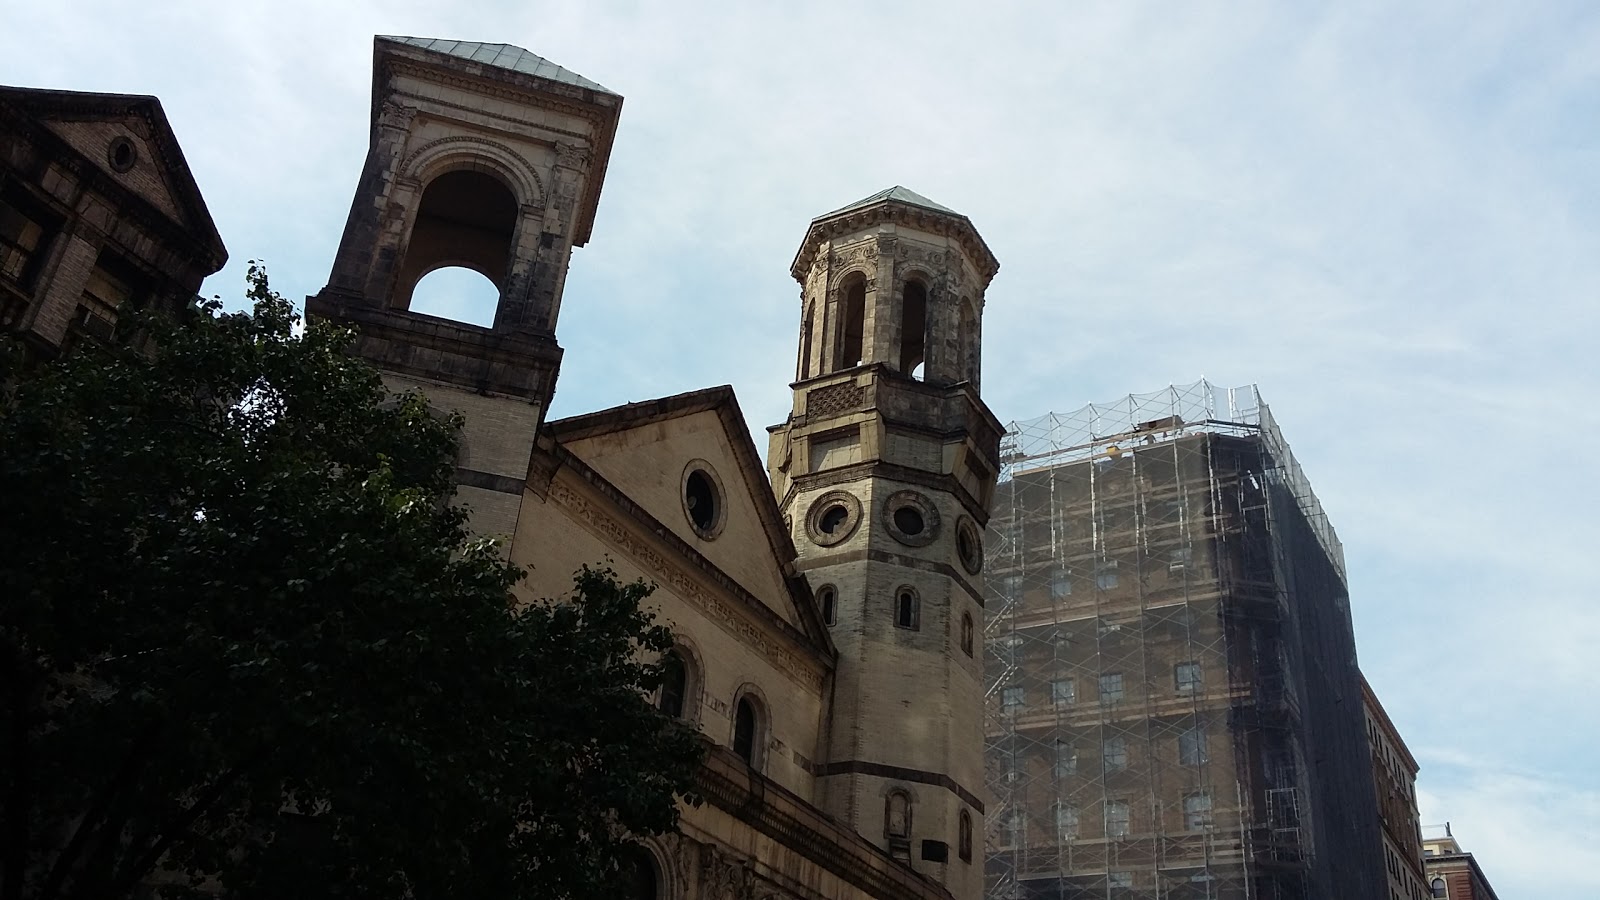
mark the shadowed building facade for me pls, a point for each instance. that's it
(825, 618)
(98, 212)
(1174, 709)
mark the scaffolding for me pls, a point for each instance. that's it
(1172, 703)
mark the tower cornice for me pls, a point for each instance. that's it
(893, 211)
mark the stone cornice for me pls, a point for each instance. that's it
(894, 212)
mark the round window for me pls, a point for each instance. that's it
(911, 518)
(833, 518)
(702, 499)
(121, 154)
(969, 546)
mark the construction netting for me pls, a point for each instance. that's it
(1173, 707)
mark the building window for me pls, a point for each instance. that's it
(747, 731)
(1105, 575)
(22, 242)
(1196, 811)
(828, 599)
(1186, 677)
(966, 633)
(1063, 692)
(964, 836)
(702, 499)
(1011, 700)
(1192, 747)
(1015, 828)
(1066, 759)
(897, 815)
(1111, 687)
(674, 684)
(1180, 558)
(1436, 888)
(852, 322)
(914, 329)
(1066, 821)
(645, 883)
(1060, 585)
(1011, 585)
(1116, 818)
(1119, 881)
(1114, 755)
(906, 609)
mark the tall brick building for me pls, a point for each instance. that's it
(1174, 708)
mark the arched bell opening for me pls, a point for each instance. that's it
(467, 218)
(850, 348)
(914, 329)
(457, 293)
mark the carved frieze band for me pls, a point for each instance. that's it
(833, 399)
(681, 583)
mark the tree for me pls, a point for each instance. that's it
(245, 640)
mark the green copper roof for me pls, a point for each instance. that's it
(501, 56)
(904, 195)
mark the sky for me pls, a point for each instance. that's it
(1385, 215)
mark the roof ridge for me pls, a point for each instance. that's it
(505, 56)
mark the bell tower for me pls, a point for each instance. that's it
(886, 468)
(487, 157)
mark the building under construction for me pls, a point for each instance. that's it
(1174, 708)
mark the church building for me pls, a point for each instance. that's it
(827, 607)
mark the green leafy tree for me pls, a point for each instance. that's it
(245, 641)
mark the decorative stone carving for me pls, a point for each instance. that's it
(572, 156)
(724, 877)
(834, 399)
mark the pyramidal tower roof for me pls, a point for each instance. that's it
(501, 56)
(902, 194)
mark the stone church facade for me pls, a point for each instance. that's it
(826, 607)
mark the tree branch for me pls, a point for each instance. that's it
(102, 805)
(170, 834)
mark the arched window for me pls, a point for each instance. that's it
(747, 731)
(852, 322)
(913, 328)
(1436, 888)
(897, 815)
(966, 633)
(466, 218)
(643, 884)
(828, 599)
(906, 608)
(964, 836)
(674, 684)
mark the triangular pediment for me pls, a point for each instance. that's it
(127, 138)
(647, 450)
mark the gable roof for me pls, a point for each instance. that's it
(896, 193)
(501, 56)
(722, 402)
(46, 105)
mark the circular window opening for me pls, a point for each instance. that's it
(969, 546)
(121, 154)
(700, 496)
(911, 518)
(833, 518)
